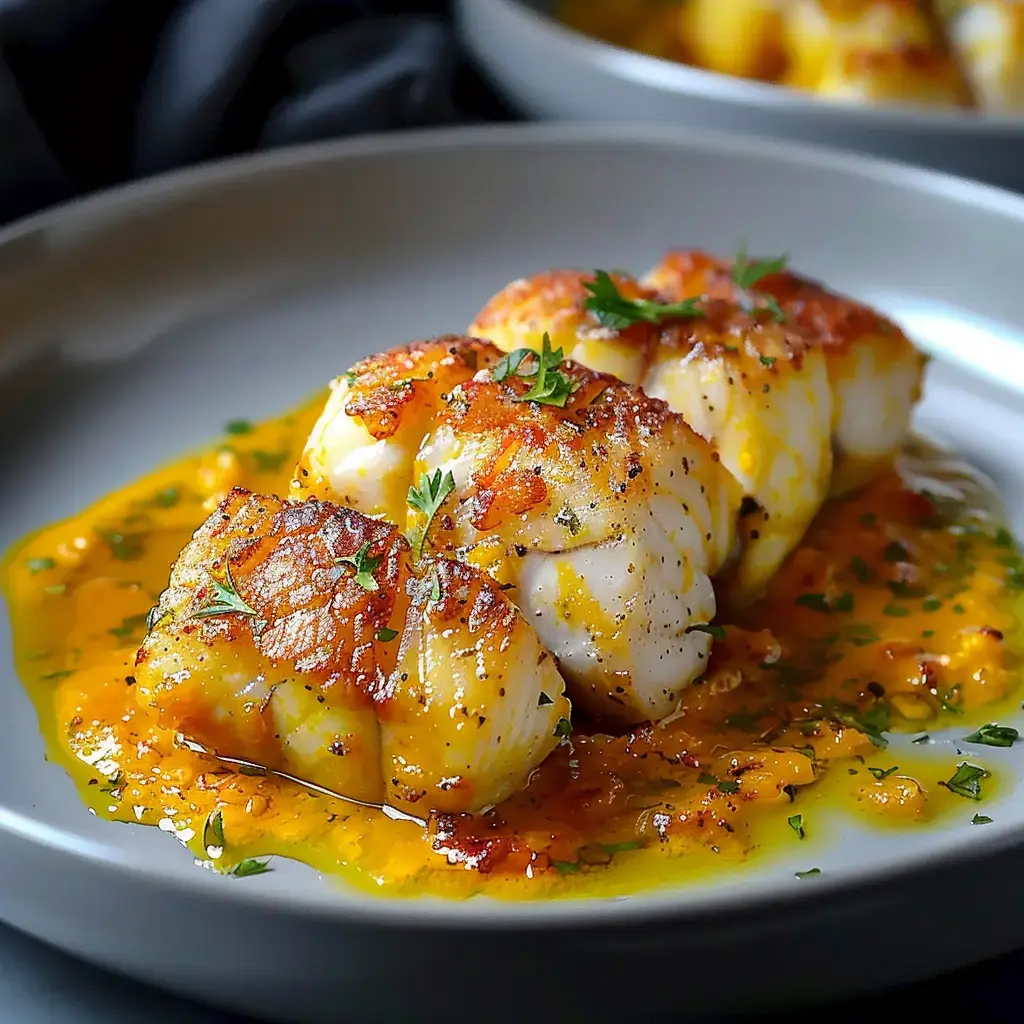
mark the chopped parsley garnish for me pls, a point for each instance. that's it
(810, 873)
(364, 565)
(744, 720)
(796, 823)
(224, 600)
(268, 462)
(129, 625)
(981, 819)
(1003, 538)
(386, 635)
(250, 867)
(718, 632)
(884, 773)
(896, 611)
(896, 552)
(746, 273)
(726, 786)
(900, 588)
(992, 735)
(167, 498)
(933, 604)
(861, 634)
(549, 387)
(768, 361)
(36, 565)
(432, 494)
(213, 831)
(821, 603)
(566, 867)
(966, 781)
(568, 518)
(238, 427)
(861, 569)
(613, 310)
(563, 729)
(125, 547)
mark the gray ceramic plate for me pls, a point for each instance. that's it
(134, 324)
(550, 71)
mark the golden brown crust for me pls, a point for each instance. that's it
(820, 316)
(555, 300)
(382, 386)
(601, 414)
(281, 559)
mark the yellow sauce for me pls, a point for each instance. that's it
(887, 616)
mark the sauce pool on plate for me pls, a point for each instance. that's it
(898, 613)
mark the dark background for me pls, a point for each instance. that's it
(97, 92)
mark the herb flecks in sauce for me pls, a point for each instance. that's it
(794, 694)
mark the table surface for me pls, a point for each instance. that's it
(39, 985)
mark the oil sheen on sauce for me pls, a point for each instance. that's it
(898, 612)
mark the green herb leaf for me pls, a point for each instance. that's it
(896, 611)
(386, 635)
(213, 831)
(550, 387)
(768, 361)
(966, 781)
(268, 462)
(238, 427)
(125, 547)
(225, 600)
(364, 565)
(568, 518)
(896, 552)
(613, 310)
(508, 365)
(981, 819)
(808, 874)
(933, 604)
(37, 565)
(861, 569)
(566, 867)
(563, 729)
(167, 498)
(251, 867)
(816, 601)
(707, 779)
(796, 823)
(992, 735)
(432, 494)
(129, 625)
(746, 273)
(884, 773)
(1003, 538)
(728, 786)
(718, 632)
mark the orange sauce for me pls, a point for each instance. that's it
(896, 613)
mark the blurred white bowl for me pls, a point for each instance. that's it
(549, 71)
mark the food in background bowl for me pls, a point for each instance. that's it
(952, 53)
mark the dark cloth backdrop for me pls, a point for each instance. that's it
(96, 92)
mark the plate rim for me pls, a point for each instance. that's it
(687, 81)
(677, 903)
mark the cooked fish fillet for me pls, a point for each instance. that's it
(874, 369)
(607, 513)
(362, 449)
(554, 302)
(295, 635)
(761, 395)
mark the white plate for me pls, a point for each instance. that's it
(548, 70)
(134, 324)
